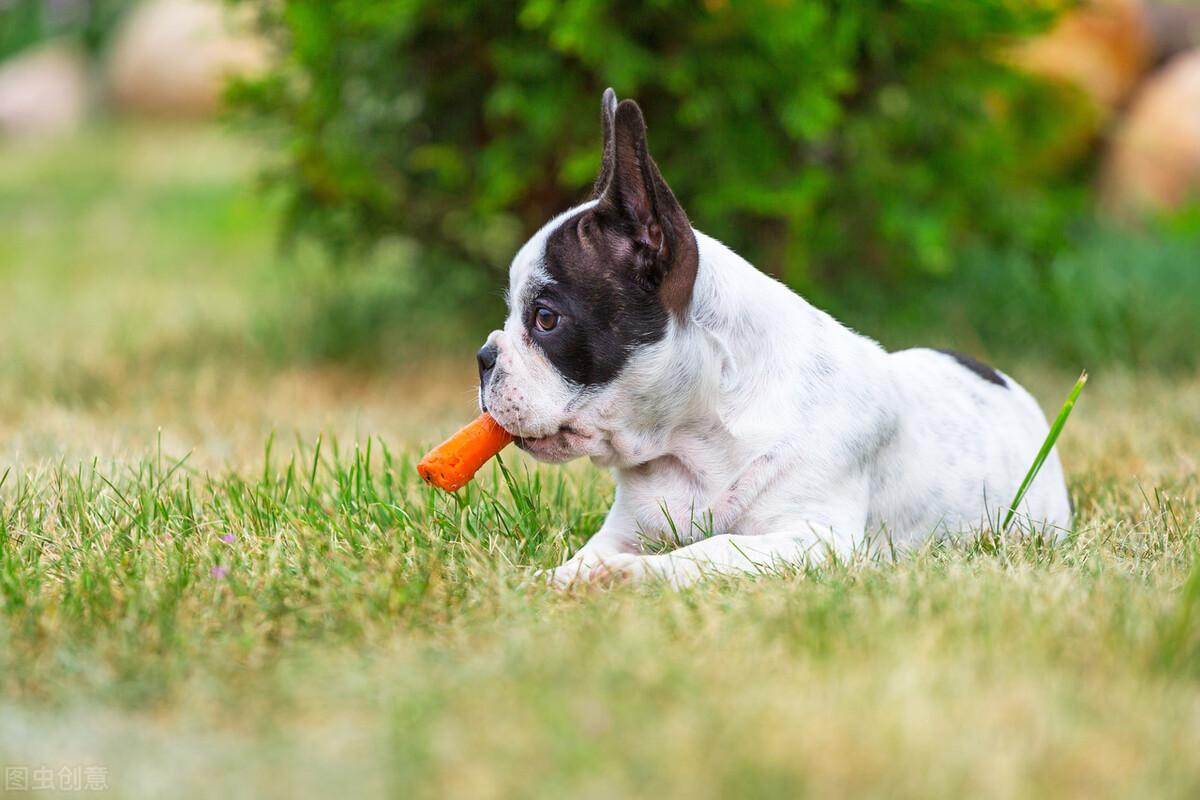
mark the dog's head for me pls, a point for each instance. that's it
(594, 299)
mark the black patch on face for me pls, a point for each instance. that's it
(605, 313)
(620, 269)
(979, 368)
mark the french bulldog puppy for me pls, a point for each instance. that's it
(737, 419)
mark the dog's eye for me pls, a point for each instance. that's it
(545, 319)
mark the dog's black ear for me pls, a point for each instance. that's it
(608, 111)
(638, 205)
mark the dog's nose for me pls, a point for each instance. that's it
(487, 362)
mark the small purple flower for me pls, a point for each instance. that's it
(218, 571)
(228, 538)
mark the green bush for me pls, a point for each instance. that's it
(819, 138)
(385, 312)
(27, 22)
(1112, 296)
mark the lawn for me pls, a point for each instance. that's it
(219, 576)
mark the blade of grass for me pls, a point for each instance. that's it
(1051, 437)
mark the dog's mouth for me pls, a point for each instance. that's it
(534, 442)
(563, 445)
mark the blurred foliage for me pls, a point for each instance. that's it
(387, 311)
(28, 22)
(818, 138)
(1111, 296)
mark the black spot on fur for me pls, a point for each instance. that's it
(979, 368)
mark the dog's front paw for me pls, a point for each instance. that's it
(572, 573)
(618, 568)
(596, 570)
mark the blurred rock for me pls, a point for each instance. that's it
(43, 92)
(171, 58)
(1154, 160)
(1103, 47)
(1174, 27)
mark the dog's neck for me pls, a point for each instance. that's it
(751, 316)
(706, 377)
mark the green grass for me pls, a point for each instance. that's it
(1043, 453)
(220, 576)
(347, 626)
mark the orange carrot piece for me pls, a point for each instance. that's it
(451, 465)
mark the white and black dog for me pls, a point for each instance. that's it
(736, 417)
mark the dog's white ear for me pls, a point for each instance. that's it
(639, 200)
(608, 111)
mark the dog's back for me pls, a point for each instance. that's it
(966, 436)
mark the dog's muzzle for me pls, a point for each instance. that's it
(486, 358)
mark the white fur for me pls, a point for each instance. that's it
(761, 431)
